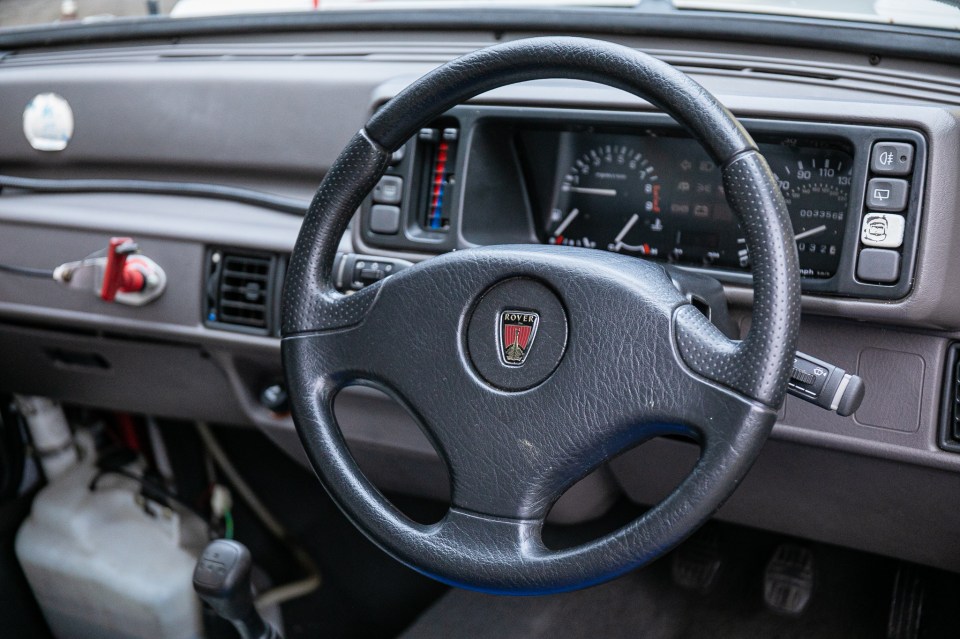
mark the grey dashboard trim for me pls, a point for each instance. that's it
(661, 20)
(83, 222)
(848, 75)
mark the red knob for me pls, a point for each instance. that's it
(118, 275)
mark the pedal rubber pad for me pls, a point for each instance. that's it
(697, 563)
(788, 580)
(906, 604)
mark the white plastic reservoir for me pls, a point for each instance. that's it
(102, 567)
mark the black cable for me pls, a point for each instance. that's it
(26, 271)
(290, 205)
(152, 490)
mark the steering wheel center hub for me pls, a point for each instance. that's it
(517, 334)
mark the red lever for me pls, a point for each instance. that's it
(118, 276)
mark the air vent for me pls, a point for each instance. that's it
(241, 290)
(950, 409)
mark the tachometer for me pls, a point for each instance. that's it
(610, 198)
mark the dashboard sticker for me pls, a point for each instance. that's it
(48, 122)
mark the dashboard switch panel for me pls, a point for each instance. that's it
(416, 202)
(352, 272)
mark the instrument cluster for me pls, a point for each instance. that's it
(660, 196)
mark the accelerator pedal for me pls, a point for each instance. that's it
(906, 604)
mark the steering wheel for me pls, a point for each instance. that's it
(529, 366)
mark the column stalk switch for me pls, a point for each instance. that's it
(828, 386)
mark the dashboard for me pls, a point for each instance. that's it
(638, 185)
(511, 166)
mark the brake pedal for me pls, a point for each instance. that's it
(697, 563)
(906, 604)
(788, 580)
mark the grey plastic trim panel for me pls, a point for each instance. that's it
(125, 115)
(867, 38)
(837, 74)
(158, 216)
(830, 496)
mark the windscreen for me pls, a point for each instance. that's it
(940, 14)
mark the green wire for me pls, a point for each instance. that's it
(228, 524)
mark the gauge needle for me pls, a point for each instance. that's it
(566, 222)
(626, 229)
(589, 191)
(819, 229)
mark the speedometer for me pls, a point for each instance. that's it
(816, 186)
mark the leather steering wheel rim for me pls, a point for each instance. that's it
(634, 358)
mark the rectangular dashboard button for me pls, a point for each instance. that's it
(384, 219)
(389, 190)
(887, 194)
(878, 265)
(882, 230)
(892, 158)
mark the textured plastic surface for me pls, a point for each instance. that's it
(621, 381)
(894, 388)
(102, 568)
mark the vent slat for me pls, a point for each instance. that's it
(244, 275)
(249, 306)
